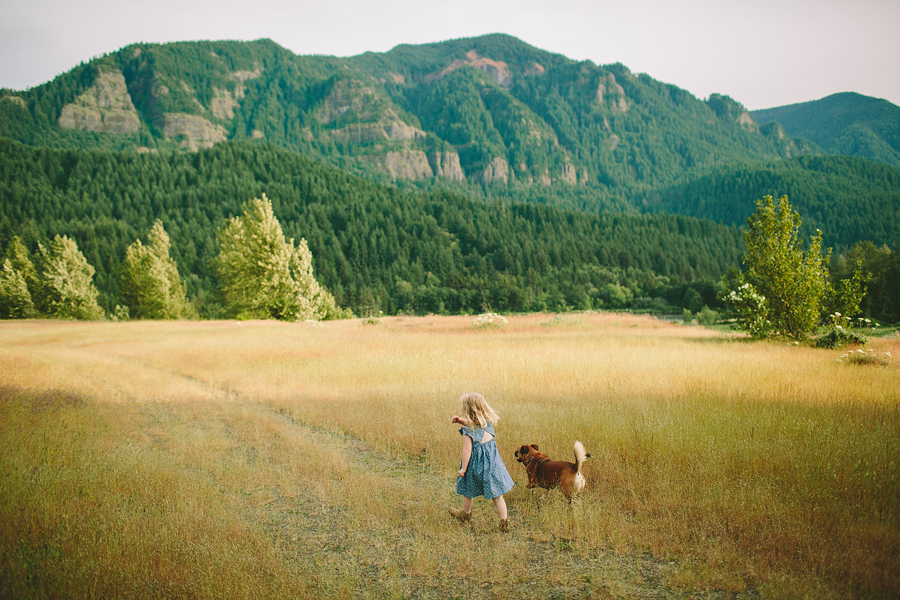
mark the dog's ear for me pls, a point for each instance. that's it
(535, 446)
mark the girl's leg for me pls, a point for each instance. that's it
(465, 514)
(467, 504)
(500, 505)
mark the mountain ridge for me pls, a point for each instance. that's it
(514, 115)
(846, 123)
(486, 117)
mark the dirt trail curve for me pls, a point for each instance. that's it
(310, 531)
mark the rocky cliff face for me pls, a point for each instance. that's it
(105, 107)
(224, 102)
(191, 130)
(497, 171)
(362, 115)
(405, 164)
(446, 164)
(609, 91)
(496, 70)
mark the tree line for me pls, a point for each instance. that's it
(373, 247)
(262, 276)
(849, 199)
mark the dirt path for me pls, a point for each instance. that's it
(383, 560)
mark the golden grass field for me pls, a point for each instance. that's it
(274, 460)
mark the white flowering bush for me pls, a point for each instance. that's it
(751, 310)
(841, 332)
(489, 320)
(865, 357)
(372, 319)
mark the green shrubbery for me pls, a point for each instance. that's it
(784, 290)
(59, 285)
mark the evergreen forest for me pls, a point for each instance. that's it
(374, 247)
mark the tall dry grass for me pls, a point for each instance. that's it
(134, 453)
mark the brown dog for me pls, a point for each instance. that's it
(546, 473)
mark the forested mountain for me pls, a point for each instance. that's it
(849, 199)
(472, 173)
(849, 124)
(490, 113)
(375, 247)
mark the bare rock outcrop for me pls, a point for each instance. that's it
(608, 90)
(373, 119)
(544, 178)
(569, 174)
(747, 122)
(105, 107)
(496, 70)
(537, 69)
(388, 128)
(497, 171)
(17, 100)
(405, 164)
(192, 130)
(224, 102)
(446, 165)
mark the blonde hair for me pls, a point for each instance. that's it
(477, 410)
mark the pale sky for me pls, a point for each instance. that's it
(764, 53)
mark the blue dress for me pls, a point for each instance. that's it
(486, 474)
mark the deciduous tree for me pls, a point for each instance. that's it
(15, 299)
(65, 287)
(789, 286)
(265, 277)
(151, 286)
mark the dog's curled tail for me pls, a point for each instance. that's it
(580, 455)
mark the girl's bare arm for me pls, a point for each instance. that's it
(466, 455)
(461, 420)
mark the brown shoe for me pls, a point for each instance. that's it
(461, 516)
(504, 525)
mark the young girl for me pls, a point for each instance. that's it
(481, 471)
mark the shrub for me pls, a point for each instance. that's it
(708, 316)
(841, 333)
(865, 357)
(751, 311)
(489, 320)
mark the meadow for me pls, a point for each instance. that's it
(274, 460)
